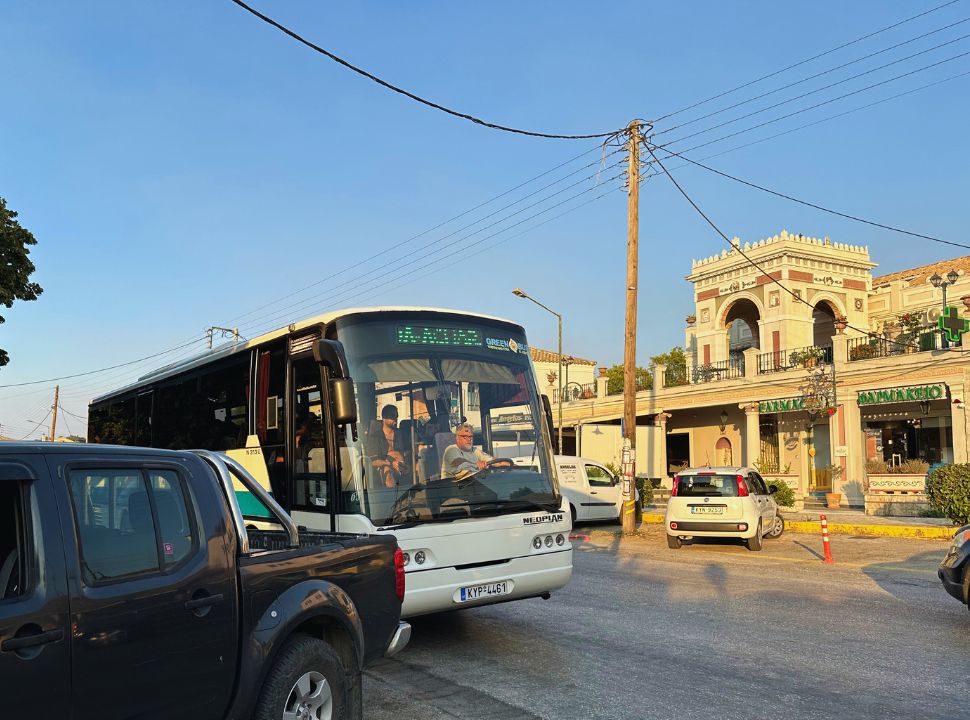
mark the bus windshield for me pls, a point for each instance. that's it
(443, 408)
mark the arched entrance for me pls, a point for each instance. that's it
(823, 324)
(724, 452)
(741, 322)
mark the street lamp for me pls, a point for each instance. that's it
(519, 292)
(937, 281)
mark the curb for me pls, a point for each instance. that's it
(871, 530)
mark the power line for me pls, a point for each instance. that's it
(812, 107)
(412, 96)
(38, 424)
(826, 72)
(797, 297)
(807, 60)
(92, 372)
(814, 205)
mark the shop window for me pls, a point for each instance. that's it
(769, 459)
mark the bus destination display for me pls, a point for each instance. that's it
(441, 336)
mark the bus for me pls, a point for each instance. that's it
(347, 419)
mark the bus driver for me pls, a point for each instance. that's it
(462, 459)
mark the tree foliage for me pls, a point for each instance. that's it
(15, 264)
(614, 376)
(676, 356)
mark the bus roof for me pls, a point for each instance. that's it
(323, 319)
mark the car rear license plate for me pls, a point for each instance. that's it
(485, 590)
(707, 509)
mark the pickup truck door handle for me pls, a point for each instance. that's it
(204, 602)
(28, 641)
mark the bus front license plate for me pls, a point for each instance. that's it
(485, 590)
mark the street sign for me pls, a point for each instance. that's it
(952, 325)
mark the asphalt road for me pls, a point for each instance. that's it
(710, 630)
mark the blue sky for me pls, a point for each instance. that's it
(183, 165)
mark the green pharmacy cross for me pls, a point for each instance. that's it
(952, 325)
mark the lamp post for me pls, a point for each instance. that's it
(519, 292)
(937, 281)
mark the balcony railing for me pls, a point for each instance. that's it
(781, 360)
(575, 391)
(723, 370)
(866, 348)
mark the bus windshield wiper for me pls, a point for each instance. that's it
(516, 502)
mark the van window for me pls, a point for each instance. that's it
(598, 477)
(708, 486)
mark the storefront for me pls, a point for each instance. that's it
(908, 422)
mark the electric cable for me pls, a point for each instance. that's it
(815, 205)
(826, 72)
(66, 423)
(811, 107)
(417, 98)
(796, 296)
(807, 60)
(38, 425)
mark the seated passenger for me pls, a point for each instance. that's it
(387, 449)
(462, 458)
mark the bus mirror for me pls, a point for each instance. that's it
(331, 354)
(344, 401)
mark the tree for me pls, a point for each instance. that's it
(614, 376)
(15, 264)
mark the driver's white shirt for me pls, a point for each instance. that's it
(456, 460)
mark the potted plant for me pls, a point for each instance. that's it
(809, 357)
(833, 499)
(910, 325)
(841, 323)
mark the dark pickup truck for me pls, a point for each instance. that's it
(131, 587)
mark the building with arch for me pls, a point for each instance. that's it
(801, 362)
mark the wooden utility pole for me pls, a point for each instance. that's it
(57, 392)
(630, 335)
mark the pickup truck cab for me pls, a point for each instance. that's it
(131, 587)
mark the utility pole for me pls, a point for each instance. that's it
(234, 332)
(630, 335)
(57, 392)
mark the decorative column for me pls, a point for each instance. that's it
(601, 383)
(752, 432)
(751, 362)
(846, 435)
(958, 418)
(659, 378)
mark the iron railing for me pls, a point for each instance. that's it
(867, 348)
(722, 370)
(781, 360)
(576, 391)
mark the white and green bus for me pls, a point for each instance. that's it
(346, 418)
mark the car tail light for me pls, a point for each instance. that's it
(673, 526)
(673, 490)
(399, 574)
(742, 488)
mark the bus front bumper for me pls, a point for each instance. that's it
(439, 590)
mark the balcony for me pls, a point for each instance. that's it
(679, 375)
(867, 348)
(782, 360)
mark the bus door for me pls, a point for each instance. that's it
(311, 473)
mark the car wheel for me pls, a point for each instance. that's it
(674, 542)
(966, 584)
(777, 527)
(754, 543)
(306, 681)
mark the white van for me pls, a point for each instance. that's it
(593, 492)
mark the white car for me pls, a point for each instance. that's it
(728, 502)
(593, 492)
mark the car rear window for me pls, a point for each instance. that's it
(708, 486)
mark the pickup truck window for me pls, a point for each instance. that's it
(128, 524)
(12, 540)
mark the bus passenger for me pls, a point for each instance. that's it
(386, 449)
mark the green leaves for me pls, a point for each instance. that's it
(15, 264)
(948, 488)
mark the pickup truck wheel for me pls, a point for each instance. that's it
(305, 683)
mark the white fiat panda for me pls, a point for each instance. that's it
(731, 502)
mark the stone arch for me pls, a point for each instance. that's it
(741, 318)
(823, 320)
(723, 452)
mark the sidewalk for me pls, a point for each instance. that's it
(846, 521)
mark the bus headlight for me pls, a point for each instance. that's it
(407, 559)
(548, 541)
(560, 539)
(420, 557)
(537, 542)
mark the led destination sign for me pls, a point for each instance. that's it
(439, 336)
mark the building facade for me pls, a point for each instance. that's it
(809, 368)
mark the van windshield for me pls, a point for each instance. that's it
(708, 486)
